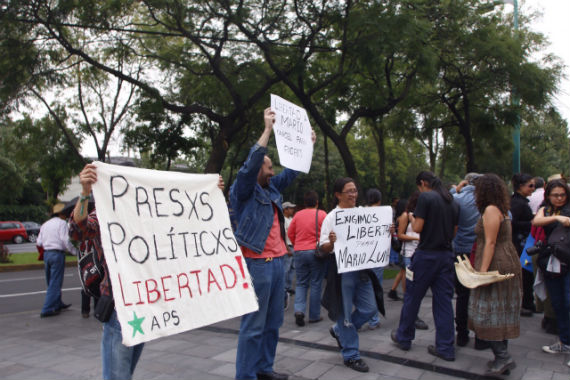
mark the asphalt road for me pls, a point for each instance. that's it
(19, 248)
(26, 290)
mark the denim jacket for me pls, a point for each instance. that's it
(252, 204)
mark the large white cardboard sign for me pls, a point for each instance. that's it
(173, 260)
(362, 237)
(292, 135)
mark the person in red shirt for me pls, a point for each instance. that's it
(303, 233)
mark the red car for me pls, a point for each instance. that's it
(13, 231)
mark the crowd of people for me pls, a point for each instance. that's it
(289, 253)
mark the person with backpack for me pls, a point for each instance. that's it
(118, 360)
(435, 219)
(555, 215)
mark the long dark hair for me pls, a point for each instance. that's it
(520, 179)
(434, 184)
(551, 186)
(401, 207)
(373, 196)
(338, 186)
(412, 202)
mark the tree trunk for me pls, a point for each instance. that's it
(217, 154)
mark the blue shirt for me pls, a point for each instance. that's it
(468, 217)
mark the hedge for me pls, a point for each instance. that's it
(22, 213)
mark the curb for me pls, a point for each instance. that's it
(18, 268)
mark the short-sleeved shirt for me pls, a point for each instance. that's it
(440, 218)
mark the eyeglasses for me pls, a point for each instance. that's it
(561, 195)
(351, 191)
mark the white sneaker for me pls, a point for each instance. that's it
(557, 348)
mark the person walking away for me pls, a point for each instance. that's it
(288, 264)
(255, 197)
(435, 219)
(304, 232)
(523, 186)
(494, 310)
(54, 239)
(464, 196)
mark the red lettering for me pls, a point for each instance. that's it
(138, 283)
(212, 280)
(233, 272)
(165, 289)
(122, 292)
(197, 279)
(180, 286)
(153, 290)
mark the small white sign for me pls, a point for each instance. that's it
(292, 132)
(173, 260)
(362, 237)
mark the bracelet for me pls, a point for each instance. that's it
(83, 198)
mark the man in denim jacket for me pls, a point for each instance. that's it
(255, 198)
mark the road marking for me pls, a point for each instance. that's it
(31, 278)
(34, 293)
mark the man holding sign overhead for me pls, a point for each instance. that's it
(255, 197)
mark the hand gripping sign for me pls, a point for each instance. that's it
(292, 135)
(173, 260)
(362, 237)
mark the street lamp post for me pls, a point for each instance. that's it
(515, 100)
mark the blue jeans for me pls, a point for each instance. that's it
(310, 273)
(357, 291)
(259, 331)
(289, 269)
(435, 270)
(559, 292)
(54, 264)
(119, 361)
(375, 320)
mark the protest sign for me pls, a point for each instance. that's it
(362, 237)
(173, 260)
(292, 135)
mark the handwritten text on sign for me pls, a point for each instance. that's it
(363, 237)
(292, 135)
(173, 260)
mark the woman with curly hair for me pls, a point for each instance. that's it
(494, 310)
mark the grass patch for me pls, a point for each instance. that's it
(30, 258)
(390, 273)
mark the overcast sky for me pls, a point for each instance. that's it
(555, 24)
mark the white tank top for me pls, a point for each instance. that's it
(409, 246)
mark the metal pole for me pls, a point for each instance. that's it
(516, 102)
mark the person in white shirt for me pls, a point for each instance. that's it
(537, 197)
(54, 239)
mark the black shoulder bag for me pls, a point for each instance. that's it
(319, 254)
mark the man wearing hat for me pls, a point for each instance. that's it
(54, 239)
(464, 195)
(288, 212)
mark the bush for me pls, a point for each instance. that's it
(21, 213)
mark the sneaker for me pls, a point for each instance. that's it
(373, 327)
(421, 325)
(286, 301)
(392, 294)
(333, 334)
(357, 365)
(557, 348)
(300, 319)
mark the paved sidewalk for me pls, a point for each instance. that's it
(67, 347)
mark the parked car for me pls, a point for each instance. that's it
(33, 230)
(13, 231)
